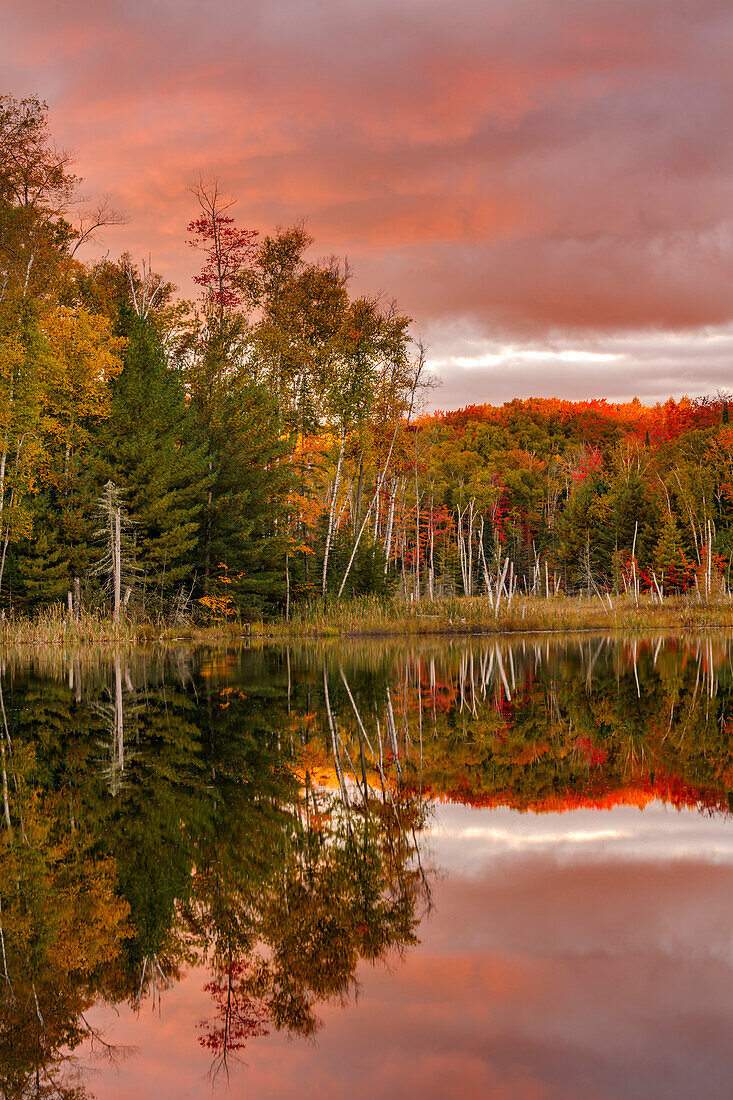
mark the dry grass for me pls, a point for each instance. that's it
(54, 628)
(372, 616)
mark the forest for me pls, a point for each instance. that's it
(265, 447)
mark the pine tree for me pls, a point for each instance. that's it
(147, 445)
(244, 535)
(668, 559)
(40, 572)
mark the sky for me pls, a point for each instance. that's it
(545, 188)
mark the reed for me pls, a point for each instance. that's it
(475, 615)
(375, 616)
(53, 627)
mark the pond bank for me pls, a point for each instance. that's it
(526, 614)
(54, 628)
(371, 617)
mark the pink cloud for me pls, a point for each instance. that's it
(532, 168)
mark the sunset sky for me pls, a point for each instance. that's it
(545, 187)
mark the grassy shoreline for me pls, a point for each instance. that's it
(54, 628)
(370, 617)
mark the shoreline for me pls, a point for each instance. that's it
(370, 618)
(474, 616)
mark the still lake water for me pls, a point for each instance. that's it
(445, 869)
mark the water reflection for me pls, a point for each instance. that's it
(260, 817)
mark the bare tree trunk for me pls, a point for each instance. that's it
(469, 548)
(393, 736)
(119, 750)
(208, 523)
(117, 562)
(334, 743)
(431, 567)
(3, 465)
(417, 528)
(5, 735)
(6, 539)
(500, 586)
(287, 588)
(332, 512)
(487, 575)
(358, 496)
(465, 547)
(390, 523)
(6, 801)
(383, 473)
(417, 549)
(3, 468)
(462, 550)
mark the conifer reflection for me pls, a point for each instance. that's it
(199, 846)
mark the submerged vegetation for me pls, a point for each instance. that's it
(261, 453)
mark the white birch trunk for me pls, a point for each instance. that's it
(332, 512)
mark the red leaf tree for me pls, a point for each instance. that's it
(228, 250)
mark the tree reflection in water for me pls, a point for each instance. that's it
(256, 815)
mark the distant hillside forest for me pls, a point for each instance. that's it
(263, 446)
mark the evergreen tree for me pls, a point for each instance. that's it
(244, 536)
(367, 575)
(40, 572)
(669, 563)
(585, 535)
(147, 447)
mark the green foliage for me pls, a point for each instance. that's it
(367, 575)
(41, 573)
(148, 447)
(171, 815)
(263, 435)
(156, 826)
(243, 538)
(669, 559)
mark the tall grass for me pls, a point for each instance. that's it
(375, 616)
(460, 615)
(54, 627)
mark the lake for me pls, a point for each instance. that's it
(448, 868)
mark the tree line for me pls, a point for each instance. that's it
(576, 497)
(166, 455)
(263, 445)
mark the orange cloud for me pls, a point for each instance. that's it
(528, 167)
